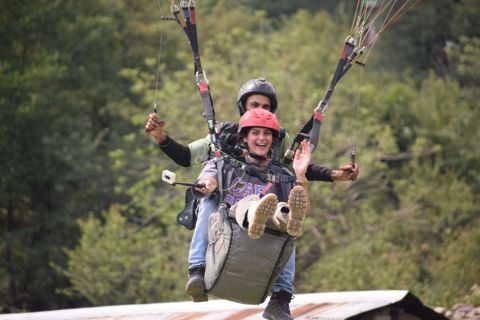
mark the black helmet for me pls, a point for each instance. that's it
(256, 86)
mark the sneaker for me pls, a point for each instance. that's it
(278, 307)
(298, 203)
(196, 285)
(259, 213)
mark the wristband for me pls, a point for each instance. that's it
(168, 142)
(302, 183)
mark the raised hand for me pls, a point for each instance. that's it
(154, 128)
(302, 160)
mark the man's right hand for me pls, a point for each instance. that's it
(154, 128)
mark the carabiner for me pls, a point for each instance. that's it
(197, 77)
(174, 7)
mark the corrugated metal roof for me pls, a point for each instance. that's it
(321, 306)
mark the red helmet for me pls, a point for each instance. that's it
(259, 118)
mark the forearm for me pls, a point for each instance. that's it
(179, 153)
(318, 173)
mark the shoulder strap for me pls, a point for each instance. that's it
(225, 175)
(279, 174)
(283, 179)
(219, 163)
(277, 146)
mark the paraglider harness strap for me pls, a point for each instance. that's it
(313, 125)
(280, 178)
(276, 156)
(276, 178)
(219, 162)
(189, 26)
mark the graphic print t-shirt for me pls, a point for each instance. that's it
(242, 183)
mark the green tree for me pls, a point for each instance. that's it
(117, 262)
(59, 83)
(81, 199)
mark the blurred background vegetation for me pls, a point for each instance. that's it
(85, 219)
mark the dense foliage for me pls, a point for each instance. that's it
(85, 218)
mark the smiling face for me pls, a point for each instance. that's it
(259, 141)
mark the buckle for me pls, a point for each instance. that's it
(273, 178)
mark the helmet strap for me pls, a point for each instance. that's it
(261, 158)
(256, 156)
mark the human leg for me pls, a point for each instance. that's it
(280, 218)
(259, 213)
(252, 213)
(195, 286)
(199, 242)
(279, 305)
(239, 211)
(285, 278)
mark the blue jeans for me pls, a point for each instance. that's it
(199, 244)
(285, 278)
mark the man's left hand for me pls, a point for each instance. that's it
(345, 173)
